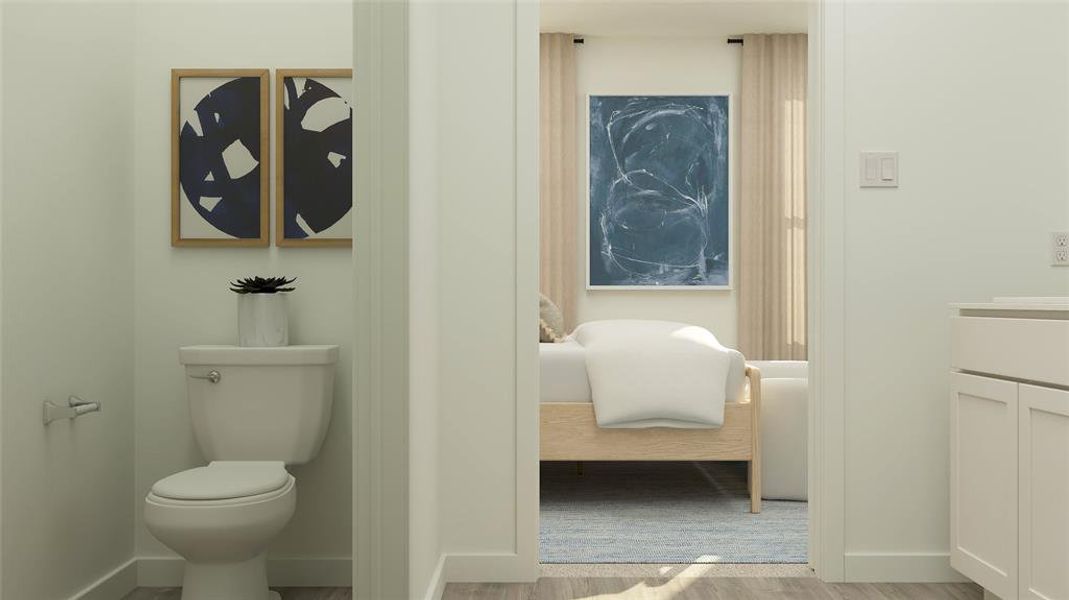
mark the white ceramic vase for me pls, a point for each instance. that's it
(262, 320)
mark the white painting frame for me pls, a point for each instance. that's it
(731, 197)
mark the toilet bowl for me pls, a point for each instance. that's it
(220, 519)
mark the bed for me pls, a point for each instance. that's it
(569, 431)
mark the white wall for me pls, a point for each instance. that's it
(181, 293)
(974, 97)
(2, 188)
(477, 262)
(486, 59)
(67, 266)
(682, 65)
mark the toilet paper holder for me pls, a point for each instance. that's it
(75, 408)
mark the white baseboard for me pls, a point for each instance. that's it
(166, 571)
(436, 586)
(463, 568)
(900, 567)
(116, 584)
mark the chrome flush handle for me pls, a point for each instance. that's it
(212, 376)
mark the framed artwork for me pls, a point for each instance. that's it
(219, 176)
(314, 157)
(658, 194)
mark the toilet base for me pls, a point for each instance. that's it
(246, 580)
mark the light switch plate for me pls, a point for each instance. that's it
(1059, 248)
(879, 169)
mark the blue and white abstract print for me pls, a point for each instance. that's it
(318, 137)
(219, 167)
(659, 191)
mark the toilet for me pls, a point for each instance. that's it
(254, 412)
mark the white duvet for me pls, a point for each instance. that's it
(656, 373)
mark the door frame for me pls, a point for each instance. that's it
(825, 262)
(380, 551)
(826, 295)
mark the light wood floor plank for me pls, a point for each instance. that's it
(907, 591)
(706, 588)
(492, 591)
(314, 593)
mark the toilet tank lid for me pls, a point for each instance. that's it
(237, 355)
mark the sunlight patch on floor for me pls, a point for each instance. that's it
(675, 570)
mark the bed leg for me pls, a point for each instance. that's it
(754, 375)
(579, 468)
(755, 487)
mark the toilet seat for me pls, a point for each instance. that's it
(223, 481)
(160, 501)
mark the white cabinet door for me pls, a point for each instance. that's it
(983, 481)
(1044, 493)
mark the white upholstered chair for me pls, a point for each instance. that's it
(784, 428)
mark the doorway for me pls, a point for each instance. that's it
(685, 511)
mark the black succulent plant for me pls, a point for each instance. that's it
(261, 285)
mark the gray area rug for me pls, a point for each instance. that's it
(664, 512)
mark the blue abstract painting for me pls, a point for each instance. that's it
(219, 166)
(317, 147)
(659, 194)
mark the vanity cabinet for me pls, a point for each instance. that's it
(1009, 448)
(1043, 504)
(983, 481)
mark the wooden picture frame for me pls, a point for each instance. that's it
(263, 162)
(281, 76)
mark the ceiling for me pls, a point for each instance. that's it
(675, 18)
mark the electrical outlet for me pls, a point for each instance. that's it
(1059, 248)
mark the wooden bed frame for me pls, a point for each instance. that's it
(570, 432)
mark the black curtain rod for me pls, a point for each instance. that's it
(738, 41)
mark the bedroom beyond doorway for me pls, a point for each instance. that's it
(673, 238)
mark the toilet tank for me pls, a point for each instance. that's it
(265, 403)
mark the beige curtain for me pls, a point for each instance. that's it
(772, 203)
(557, 186)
